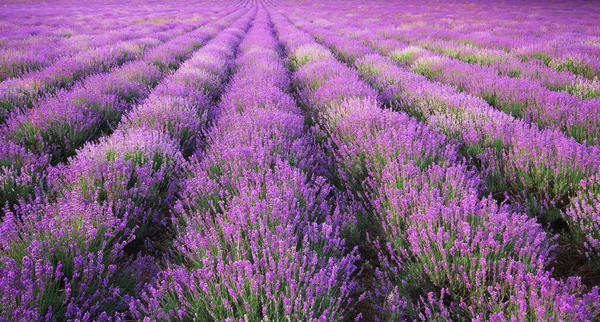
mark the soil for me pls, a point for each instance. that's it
(570, 260)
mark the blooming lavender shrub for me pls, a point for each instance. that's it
(65, 123)
(59, 260)
(134, 172)
(18, 173)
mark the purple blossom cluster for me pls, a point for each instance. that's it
(59, 261)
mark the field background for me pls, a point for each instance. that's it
(261, 160)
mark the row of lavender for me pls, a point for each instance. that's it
(444, 252)
(109, 207)
(259, 236)
(551, 176)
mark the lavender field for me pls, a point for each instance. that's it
(261, 160)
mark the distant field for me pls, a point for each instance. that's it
(260, 160)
